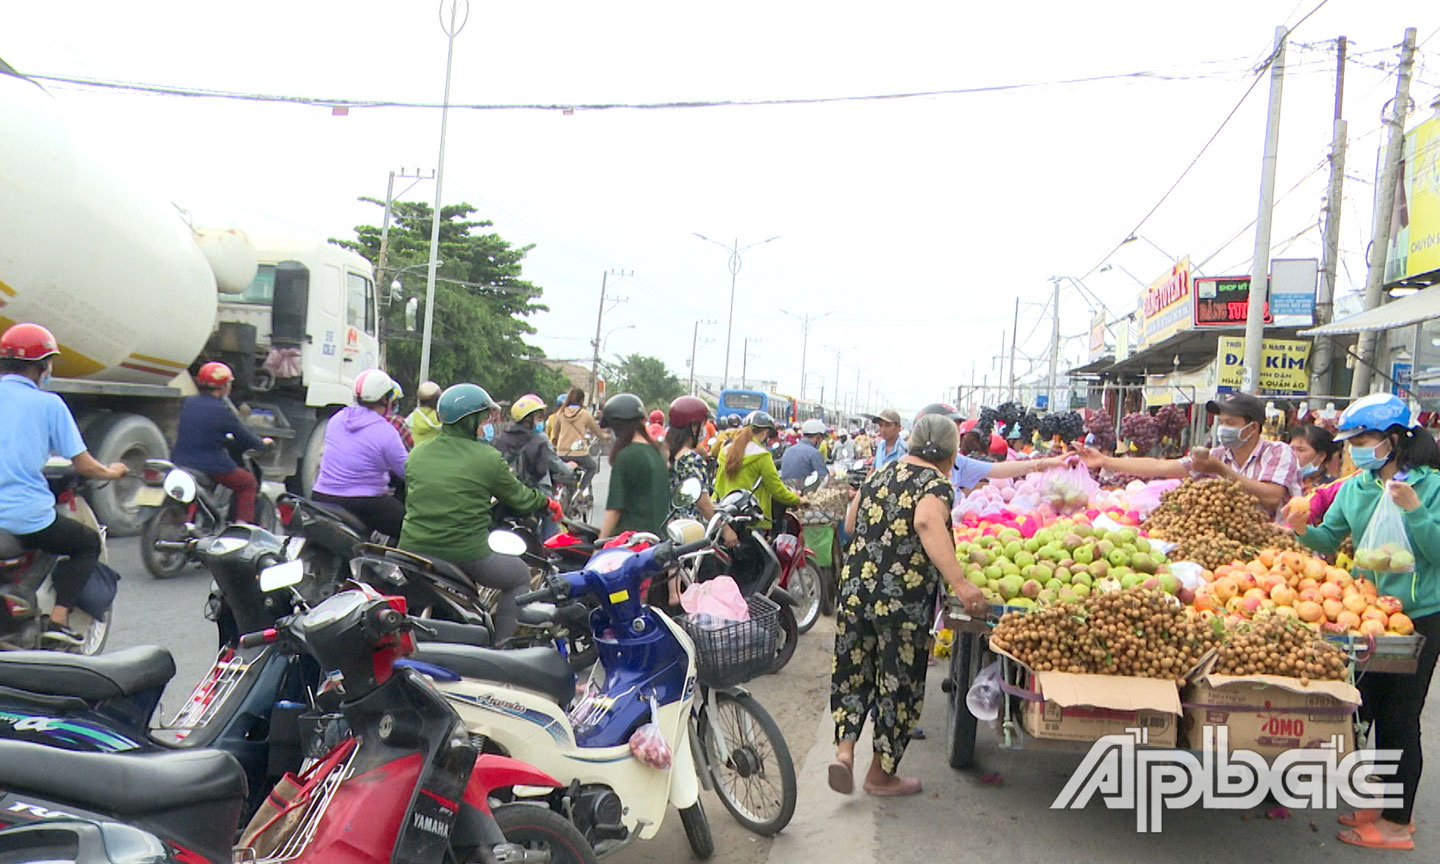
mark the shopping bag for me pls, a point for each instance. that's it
(1067, 488)
(648, 744)
(719, 598)
(1385, 545)
(983, 698)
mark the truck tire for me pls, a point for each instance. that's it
(128, 438)
(310, 461)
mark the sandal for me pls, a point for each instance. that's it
(906, 786)
(842, 777)
(1367, 835)
(1361, 817)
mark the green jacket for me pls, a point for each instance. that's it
(1350, 514)
(448, 486)
(757, 465)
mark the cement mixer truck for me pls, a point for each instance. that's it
(138, 299)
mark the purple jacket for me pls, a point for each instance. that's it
(362, 450)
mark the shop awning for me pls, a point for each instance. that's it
(1417, 307)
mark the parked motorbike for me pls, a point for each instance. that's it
(187, 505)
(26, 593)
(432, 806)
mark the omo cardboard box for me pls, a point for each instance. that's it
(1270, 713)
(1069, 707)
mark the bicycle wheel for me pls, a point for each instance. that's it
(756, 781)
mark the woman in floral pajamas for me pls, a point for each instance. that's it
(902, 546)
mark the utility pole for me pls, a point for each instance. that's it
(1384, 210)
(1321, 381)
(1014, 330)
(804, 341)
(1054, 341)
(599, 317)
(1260, 265)
(385, 221)
(695, 346)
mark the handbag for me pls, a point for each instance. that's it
(98, 595)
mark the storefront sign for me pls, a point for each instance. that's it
(1224, 301)
(1400, 375)
(1166, 306)
(1284, 366)
(1415, 244)
(1097, 336)
(1292, 291)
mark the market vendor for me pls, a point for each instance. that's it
(1398, 460)
(1267, 470)
(968, 472)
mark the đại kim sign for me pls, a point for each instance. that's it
(1284, 366)
(1166, 306)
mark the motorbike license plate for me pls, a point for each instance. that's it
(149, 496)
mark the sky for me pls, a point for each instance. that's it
(907, 228)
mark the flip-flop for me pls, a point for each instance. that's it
(1367, 835)
(842, 777)
(906, 786)
(1361, 817)
(917, 734)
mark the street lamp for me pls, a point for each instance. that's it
(734, 264)
(609, 333)
(804, 340)
(1133, 237)
(456, 24)
(838, 352)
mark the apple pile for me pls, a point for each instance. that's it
(1063, 562)
(1292, 585)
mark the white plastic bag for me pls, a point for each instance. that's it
(719, 598)
(1385, 545)
(648, 744)
(983, 698)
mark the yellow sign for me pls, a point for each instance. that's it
(1284, 366)
(1415, 227)
(1166, 307)
(1097, 335)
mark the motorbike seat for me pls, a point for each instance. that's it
(581, 529)
(100, 678)
(444, 568)
(10, 546)
(341, 515)
(540, 670)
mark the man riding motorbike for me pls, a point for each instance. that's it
(450, 482)
(362, 451)
(804, 457)
(33, 425)
(200, 442)
(527, 450)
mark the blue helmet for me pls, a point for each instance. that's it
(461, 400)
(560, 400)
(1377, 412)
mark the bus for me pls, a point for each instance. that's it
(742, 402)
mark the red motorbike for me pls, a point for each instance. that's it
(799, 575)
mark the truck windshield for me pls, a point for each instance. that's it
(261, 291)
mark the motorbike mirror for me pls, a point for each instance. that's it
(507, 543)
(180, 486)
(688, 493)
(279, 576)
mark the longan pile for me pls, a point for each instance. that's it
(1280, 646)
(1137, 632)
(1214, 521)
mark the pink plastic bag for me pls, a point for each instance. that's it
(1067, 489)
(648, 744)
(719, 598)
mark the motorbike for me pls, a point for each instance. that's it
(525, 704)
(187, 505)
(379, 720)
(26, 593)
(799, 573)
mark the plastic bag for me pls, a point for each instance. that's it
(1385, 546)
(983, 698)
(719, 598)
(648, 744)
(1067, 489)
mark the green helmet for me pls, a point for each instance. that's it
(461, 400)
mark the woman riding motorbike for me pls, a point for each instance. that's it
(362, 451)
(688, 417)
(571, 429)
(450, 483)
(748, 459)
(639, 481)
(201, 443)
(527, 450)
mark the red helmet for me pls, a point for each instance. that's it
(657, 417)
(214, 374)
(28, 342)
(998, 447)
(686, 411)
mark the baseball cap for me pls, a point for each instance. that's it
(889, 415)
(1239, 404)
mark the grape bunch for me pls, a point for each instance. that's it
(1010, 414)
(1066, 425)
(1029, 425)
(1102, 427)
(1171, 419)
(1140, 429)
(985, 425)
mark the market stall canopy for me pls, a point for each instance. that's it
(1401, 313)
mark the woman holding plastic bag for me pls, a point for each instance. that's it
(1392, 509)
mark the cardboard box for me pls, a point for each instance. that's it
(1270, 714)
(1088, 707)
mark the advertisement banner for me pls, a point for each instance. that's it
(1224, 301)
(1292, 291)
(1415, 224)
(1097, 335)
(1284, 366)
(1166, 306)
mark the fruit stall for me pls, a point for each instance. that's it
(1167, 606)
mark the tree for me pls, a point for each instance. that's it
(647, 378)
(481, 303)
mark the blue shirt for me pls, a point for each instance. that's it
(884, 457)
(801, 459)
(969, 473)
(200, 442)
(34, 425)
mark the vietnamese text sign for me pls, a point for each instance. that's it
(1165, 306)
(1292, 291)
(1415, 240)
(1284, 366)
(1097, 335)
(1224, 301)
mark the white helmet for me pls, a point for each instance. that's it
(813, 426)
(374, 385)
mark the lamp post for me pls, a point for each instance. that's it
(735, 251)
(609, 333)
(804, 340)
(694, 348)
(452, 29)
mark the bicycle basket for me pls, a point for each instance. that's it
(731, 652)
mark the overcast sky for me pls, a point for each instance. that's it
(915, 223)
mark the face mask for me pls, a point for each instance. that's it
(488, 431)
(539, 425)
(1366, 459)
(1230, 437)
(45, 377)
(1308, 470)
